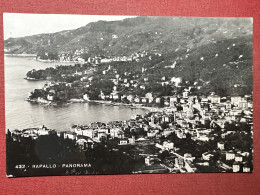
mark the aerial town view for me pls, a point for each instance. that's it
(130, 95)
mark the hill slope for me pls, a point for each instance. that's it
(158, 34)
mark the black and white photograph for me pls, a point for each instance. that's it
(107, 95)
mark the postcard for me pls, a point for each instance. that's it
(89, 94)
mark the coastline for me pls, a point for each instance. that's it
(107, 103)
(51, 61)
(20, 55)
(33, 79)
(35, 55)
(110, 103)
(46, 103)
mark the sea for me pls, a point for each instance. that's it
(21, 114)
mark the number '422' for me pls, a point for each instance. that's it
(20, 166)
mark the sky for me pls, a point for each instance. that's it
(20, 25)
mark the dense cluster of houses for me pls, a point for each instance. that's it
(33, 133)
(184, 115)
(76, 56)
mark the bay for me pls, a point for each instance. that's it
(21, 114)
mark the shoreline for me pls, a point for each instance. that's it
(110, 103)
(20, 55)
(39, 60)
(33, 79)
(52, 61)
(107, 103)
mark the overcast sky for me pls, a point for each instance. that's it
(19, 25)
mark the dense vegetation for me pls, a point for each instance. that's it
(52, 56)
(56, 73)
(51, 149)
(224, 67)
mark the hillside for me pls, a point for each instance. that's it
(224, 67)
(153, 34)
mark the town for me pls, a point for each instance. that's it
(188, 134)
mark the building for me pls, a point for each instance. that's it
(149, 160)
(243, 104)
(43, 131)
(114, 96)
(173, 100)
(149, 96)
(215, 99)
(235, 100)
(190, 167)
(246, 169)
(168, 145)
(143, 141)
(144, 100)
(221, 145)
(158, 100)
(50, 97)
(102, 95)
(86, 97)
(151, 134)
(131, 140)
(207, 156)
(70, 135)
(236, 167)
(84, 143)
(123, 141)
(179, 162)
(238, 158)
(185, 94)
(230, 155)
(137, 100)
(88, 132)
(228, 105)
(176, 80)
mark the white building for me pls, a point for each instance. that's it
(221, 145)
(215, 99)
(86, 97)
(236, 167)
(230, 155)
(238, 158)
(50, 97)
(246, 169)
(123, 142)
(207, 156)
(168, 145)
(88, 133)
(235, 100)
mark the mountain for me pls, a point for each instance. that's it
(154, 34)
